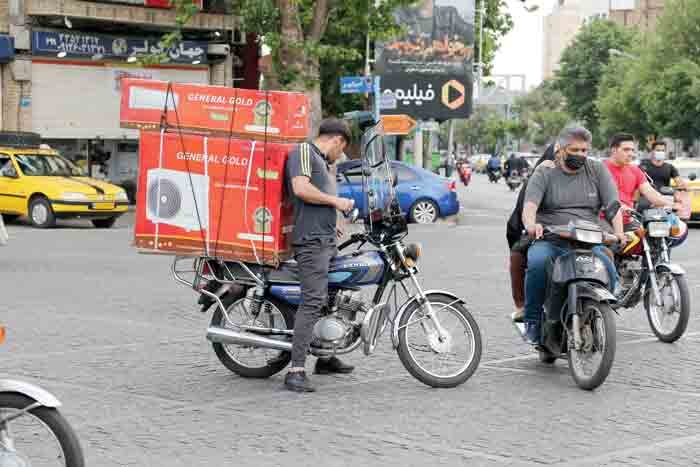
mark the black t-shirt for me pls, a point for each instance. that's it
(661, 176)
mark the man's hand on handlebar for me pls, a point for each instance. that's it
(535, 231)
(621, 239)
(344, 204)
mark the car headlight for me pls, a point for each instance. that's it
(73, 196)
(121, 196)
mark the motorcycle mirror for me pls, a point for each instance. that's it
(667, 191)
(692, 177)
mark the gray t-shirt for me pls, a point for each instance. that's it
(563, 197)
(311, 221)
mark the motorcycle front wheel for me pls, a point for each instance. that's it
(439, 364)
(40, 437)
(670, 320)
(591, 364)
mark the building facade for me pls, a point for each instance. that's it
(66, 59)
(643, 14)
(559, 29)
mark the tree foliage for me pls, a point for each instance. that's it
(655, 92)
(542, 110)
(582, 64)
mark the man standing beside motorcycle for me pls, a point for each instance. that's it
(312, 190)
(576, 188)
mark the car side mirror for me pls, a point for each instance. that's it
(692, 177)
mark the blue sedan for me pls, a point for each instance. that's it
(423, 195)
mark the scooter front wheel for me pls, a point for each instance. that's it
(40, 436)
(590, 365)
(440, 363)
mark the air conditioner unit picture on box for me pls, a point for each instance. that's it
(170, 199)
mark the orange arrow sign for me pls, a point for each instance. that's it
(398, 124)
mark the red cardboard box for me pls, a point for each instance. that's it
(262, 115)
(200, 195)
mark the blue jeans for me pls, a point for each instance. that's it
(535, 279)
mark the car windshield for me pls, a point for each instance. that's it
(41, 165)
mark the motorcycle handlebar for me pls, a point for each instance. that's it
(354, 238)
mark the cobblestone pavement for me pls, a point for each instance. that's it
(123, 347)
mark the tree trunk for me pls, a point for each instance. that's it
(307, 69)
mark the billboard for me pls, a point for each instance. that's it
(87, 45)
(429, 69)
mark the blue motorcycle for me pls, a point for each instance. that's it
(435, 336)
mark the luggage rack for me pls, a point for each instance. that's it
(194, 277)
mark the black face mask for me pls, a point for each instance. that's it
(574, 161)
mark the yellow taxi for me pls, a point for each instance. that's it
(689, 169)
(39, 183)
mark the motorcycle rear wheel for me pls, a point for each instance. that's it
(410, 326)
(51, 421)
(235, 357)
(601, 325)
(658, 315)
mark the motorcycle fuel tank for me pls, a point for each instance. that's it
(356, 270)
(366, 268)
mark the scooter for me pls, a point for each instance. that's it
(578, 322)
(465, 174)
(32, 430)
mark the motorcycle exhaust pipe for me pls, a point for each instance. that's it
(221, 335)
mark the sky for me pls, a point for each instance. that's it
(521, 49)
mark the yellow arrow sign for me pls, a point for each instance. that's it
(398, 124)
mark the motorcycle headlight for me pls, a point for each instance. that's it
(412, 252)
(121, 196)
(73, 196)
(659, 229)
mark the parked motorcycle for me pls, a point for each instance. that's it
(436, 337)
(494, 175)
(647, 274)
(578, 320)
(32, 430)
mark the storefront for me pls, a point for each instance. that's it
(75, 94)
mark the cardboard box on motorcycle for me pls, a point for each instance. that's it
(202, 195)
(246, 113)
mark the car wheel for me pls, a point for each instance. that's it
(104, 223)
(424, 211)
(41, 214)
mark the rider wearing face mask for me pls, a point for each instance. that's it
(573, 188)
(660, 171)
